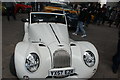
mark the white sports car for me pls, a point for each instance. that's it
(47, 52)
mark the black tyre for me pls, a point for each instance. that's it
(12, 66)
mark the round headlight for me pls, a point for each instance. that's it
(32, 62)
(89, 58)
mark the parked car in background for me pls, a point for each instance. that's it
(23, 7)
(47, 52)
(49, 7)
(20, 7)
(63, 8)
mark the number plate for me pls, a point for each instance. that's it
(61, 72)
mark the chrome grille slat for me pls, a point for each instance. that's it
(61, 59)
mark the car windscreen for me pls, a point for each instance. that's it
(37, 17)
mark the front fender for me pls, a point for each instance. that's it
(21, 52)
(78, 49)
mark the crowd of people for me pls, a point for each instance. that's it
(92, 12)
(96, 14)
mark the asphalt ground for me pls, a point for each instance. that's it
(103, 37)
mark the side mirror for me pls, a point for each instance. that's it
(24, 20)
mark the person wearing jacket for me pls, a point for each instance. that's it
(118, 19)
(10, 6)
(116, 57)
(81, 20)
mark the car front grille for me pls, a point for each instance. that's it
(61, 59)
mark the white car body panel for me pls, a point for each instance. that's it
(36, 29)
(78, 50)
(45, 60)
(53, 37)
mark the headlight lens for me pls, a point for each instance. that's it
(89, 58)
(32, 62)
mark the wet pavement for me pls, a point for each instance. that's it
(103, 37)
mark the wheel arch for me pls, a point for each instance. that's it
(21, 52)
(78, 48)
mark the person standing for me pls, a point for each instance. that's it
(40, 6)
(81, 19)
(10, 6)
(118, 19)
(88, 18)
(97, 14)
(116, 57)
(112, 16)
(33, 6)
(104, 10)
